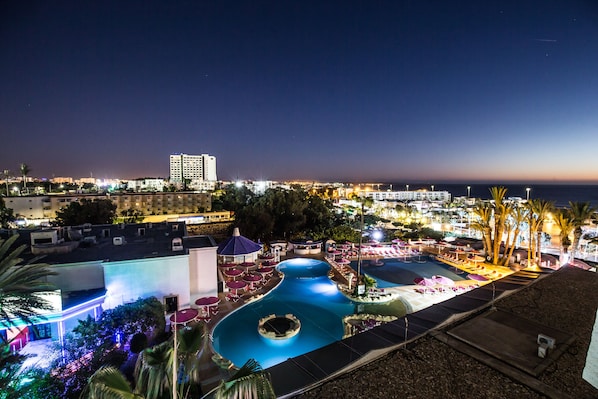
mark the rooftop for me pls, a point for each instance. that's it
(114, 242)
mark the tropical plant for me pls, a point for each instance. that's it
(21, 285)
(580, 212)
(501, 213)
(98, 211)
(6, 174)
(249, 382)
(483, 211)
(539, 211)
(518, 215)
(565, 225)
(109, 383)
(157, 367)
(6, 214)
(25, 170)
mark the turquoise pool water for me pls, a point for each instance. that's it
(398, 271)
(307, 293)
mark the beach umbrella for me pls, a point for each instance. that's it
(184, 316)
(269, 263)
(426, 282)
(207, 301)
(476, 277)
(235, 286)
(252, 279)
(265, 270)
(209, 304)
(248, 265)
(233, 272)
(443, 280)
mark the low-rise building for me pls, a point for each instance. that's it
(104, 266)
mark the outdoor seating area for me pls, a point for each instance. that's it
(475, 266)
(245, 277)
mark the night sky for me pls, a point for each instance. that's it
(315, 90)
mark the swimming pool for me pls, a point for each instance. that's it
(307, 293)
(400, 271)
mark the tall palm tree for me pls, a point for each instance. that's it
(249, 382)
(483, 211)
(25, 169)
(501, 213)
(6, 174)
(565, 224)
(540, 209)
(581, 212)
(518, 215)
(21, 285)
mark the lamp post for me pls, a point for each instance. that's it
(358, 284)
(527, 190)
(432, 187)
(406, 187)
(468, 191)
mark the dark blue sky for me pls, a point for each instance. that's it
(326, 90)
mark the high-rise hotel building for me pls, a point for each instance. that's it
(193, 167)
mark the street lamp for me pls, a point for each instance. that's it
(468, 191)
(432, 187)
(407, 187)
(527, 190)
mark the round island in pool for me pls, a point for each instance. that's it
(279, 327)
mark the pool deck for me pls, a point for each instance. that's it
(211, 373)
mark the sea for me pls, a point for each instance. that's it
(559, 194)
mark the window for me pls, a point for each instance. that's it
(141, 231)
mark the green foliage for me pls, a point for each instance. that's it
(10, 378)
(131, 216)
(232, 198)
(138, 342)
(284, 214)
(249, 382)
(98, 211)
(91, 344)
(154, 371)
(21, 285)
(343, 233)
(6, 214)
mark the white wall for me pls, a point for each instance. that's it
(203, 276)
(129, 280)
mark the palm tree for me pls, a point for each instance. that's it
(21, 285)
(109, 383)
(249, 382)
(580, 213)
(154, 372)
(24, 172)
(518, 215)
(565, 224)
(484, 213)
(501, 212)
(6, 174)
(540, 209)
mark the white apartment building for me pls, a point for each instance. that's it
(419, 195)
(193, 167)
